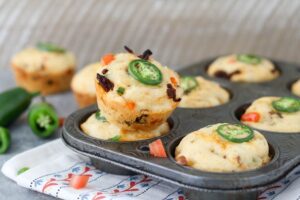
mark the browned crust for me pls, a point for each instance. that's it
(117, 113)
(84, 100)
(42, 81)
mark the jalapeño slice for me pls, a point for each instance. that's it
(50, 47)
(235, 132)
(188, 83)
(145, 72)
(43, 120)
(286, 104)
(249, 59)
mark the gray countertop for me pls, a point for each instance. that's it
(22, 139)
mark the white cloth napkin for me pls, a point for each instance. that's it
(51, 164)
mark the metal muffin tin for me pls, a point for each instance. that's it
(134, 157)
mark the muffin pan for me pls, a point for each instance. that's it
(134, 157)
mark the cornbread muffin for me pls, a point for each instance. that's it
(136, 93)
(296, 88)
(83, 85)
(202, 93)
(223, 148)
(277, 114)
(98, 127)
(243, 68)
(45, 68)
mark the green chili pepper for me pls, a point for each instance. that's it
(4, 140)
(120, 91)
(145, 72)
(115, 138)
(100, 117)
(188, 83)
(43, 120)
(249, 59)
(286, 104)
(13, 103)
(50, 47)
(235, 132)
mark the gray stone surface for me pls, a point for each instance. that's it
(22, 139)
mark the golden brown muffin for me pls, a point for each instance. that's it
(204, 94)
(296, 88)
(262, 114)
(139, 106)
(45, 71)
(243, 68)
(102, 129)
(206, 150)
(83, 85)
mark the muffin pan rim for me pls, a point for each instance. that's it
(208, 177)
(186, 186)
(221, 176)
(227, 84)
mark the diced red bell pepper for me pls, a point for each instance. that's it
(251, 117)
(157, 149)
(79, 181)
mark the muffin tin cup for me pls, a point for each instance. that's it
(133, 157)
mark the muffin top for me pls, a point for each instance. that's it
(83, 81)
(278, 114)
(143, 82)
(223, 148)
(38, 59)
(98, 127)
(296, 88)
(201, 93)
(243, 68)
